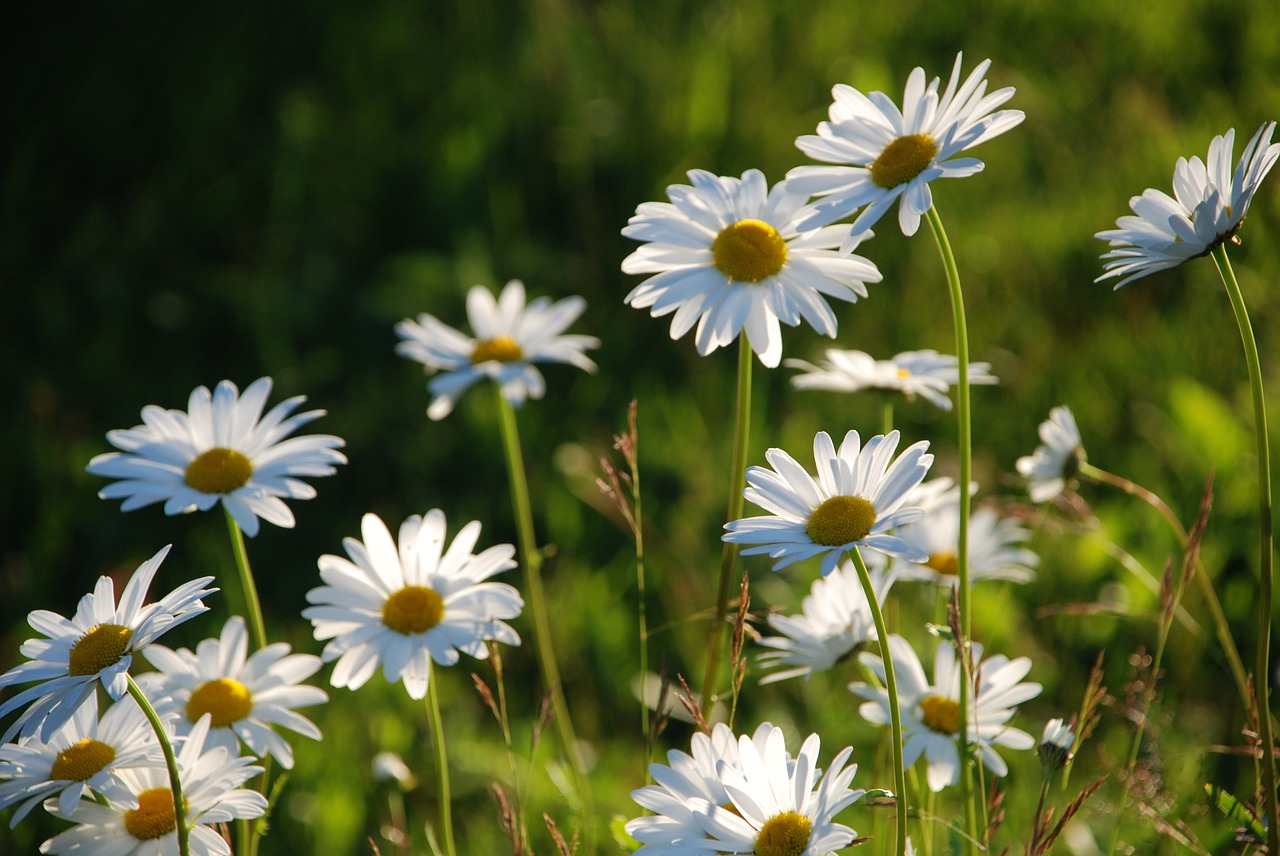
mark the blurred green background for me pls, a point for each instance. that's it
(197, 192)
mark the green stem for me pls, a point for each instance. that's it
(637, 523)
(442, 763)
(170, 761)
(886, 414)
(729, 552)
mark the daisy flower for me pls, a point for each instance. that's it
(96, 645)
(243, 695)
(927, 374)
(1055, 745)
(510, 336)
(211, 778)
(885, 154)
(931, 711)
(86, 753)
(855, 501)
(223, 449)
(728, 255)
(1208, 205)
(834, 622)
(996, 547)
(403, 608)
(1055, 462)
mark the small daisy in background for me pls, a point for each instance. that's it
(727, 255)
(222, 449)
(1056, 744)
(855, 500)
(243, 695)
(403, 607)
(997, 548)
(927, 374)
(510, 336)
(1053, 466)
(884, 154)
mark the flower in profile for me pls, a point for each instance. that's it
(243, 695)
(884, 154)
(931, 711)
(404, 607)
(727, 255)
(1208, 205)
(927, 374)
(997, 548)
(855, 501)
(1056, 744)
(835, 621)
(1055, 462)
(223, 449)
(96, 645)
(510, 336)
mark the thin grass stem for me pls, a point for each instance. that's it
(442, 763)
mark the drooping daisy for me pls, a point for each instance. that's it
(835, 621)
(510, 336)
(885, 154)
(96, 645)
(1055, 462)
(931, 711)
(403, 608)
(1209, 203)
(925, 373)
(243, 695)
(211, 778)
(727, 255)
(997, 548)
(1056, 744)
(855, 501)
(223, 449)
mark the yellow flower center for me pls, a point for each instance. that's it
(786, 834)
(841, 520)
(154, 815)
(219, 471)
(940, 714)
(97, 649)
(902, 160)
(500, 349)
(904, 373)
(749, 250)
(944, 563)
(226, 700)
(413, 609)
(79, 761)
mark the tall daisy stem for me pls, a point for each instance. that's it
(170, 761)
(442, 764)
(247, 587)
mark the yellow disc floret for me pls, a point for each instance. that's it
(219, 471)
(413, 609)
(499, 349)
(749, 250)
(102, 646)
(940, 714)
(80, 761)
(786, 834)
(154, 815)
(226, 700)
(944, 563)
(841, 520)
(902, 160)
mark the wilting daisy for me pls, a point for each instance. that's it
(95, 646)
(243, 695)
(403, 608)
(727, 255)
(855, 501)
(996, 547)
(1055, 462)
(931, 711)
(510, 336)
(1056, 744)
(885, 154)
(211, 778)
(1209, 203)
(927, 374)
(835, 621)
(223, 449)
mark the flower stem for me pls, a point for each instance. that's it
(442, 763)
(170, 761)
(247, 587)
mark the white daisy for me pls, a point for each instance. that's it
(243, 695)
(211, 778)
(931, 711)
(96, 645)
(925, 373)
(1209, 203)
(855, 501)
(835, 621)
(886, 154)
(728, 256)
(1055, 462)
(996, 547)
(405, 607)
(86, 753)
(221, 449)
(510, 336)
(1056, 744)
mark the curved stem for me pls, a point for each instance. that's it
(170, 761)
(442, 763)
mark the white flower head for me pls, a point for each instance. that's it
(727, 255)
(997, 548)
(855, 500)
(885, 154)
(1054, 463)
(927, 374)
(96, 645)
(1208, 205)
(510, 336)
(1056, 744)
(404, 607)
(222, 449)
